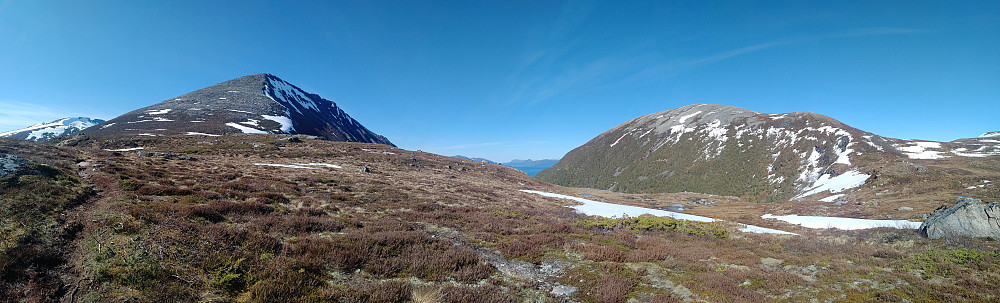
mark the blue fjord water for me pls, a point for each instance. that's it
(531, 171)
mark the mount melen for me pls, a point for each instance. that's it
(256, 104)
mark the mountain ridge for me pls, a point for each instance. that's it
(727, 150)
(57, 128)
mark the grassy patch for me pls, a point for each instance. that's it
(654, 223)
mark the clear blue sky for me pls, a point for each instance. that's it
(508, 79)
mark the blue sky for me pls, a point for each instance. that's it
(517, 79)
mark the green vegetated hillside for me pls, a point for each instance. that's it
(274, 218)
(732, 151)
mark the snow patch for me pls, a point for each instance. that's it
(286, 122)
(251, 122)
(124, 149)
(836, 184)
(244, 129)
(832, 198)
(620, 138)
(684, 118)
(817, 222)
(319, 164)
(284, 165)
(610, 210)
(200, 134)
(158, 112)
(922, 150)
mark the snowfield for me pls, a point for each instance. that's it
(836, 184)
(842, 223)
(611, 210)
(922, 150)
(244, 129)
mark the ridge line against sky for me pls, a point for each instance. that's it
(509, 80)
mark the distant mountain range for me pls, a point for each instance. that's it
(57, 128)
(516, 162)
(727, 150)
(474, 159)
(257, 104)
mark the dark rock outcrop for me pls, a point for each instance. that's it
(969, 218)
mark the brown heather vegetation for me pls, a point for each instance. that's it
(91, 225)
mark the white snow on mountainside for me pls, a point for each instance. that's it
(57, 128)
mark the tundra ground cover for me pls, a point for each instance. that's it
(416, 226)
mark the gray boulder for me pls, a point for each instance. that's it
(969, 218)
(10, 164)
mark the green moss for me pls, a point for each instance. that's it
(934, 262)
(654, 223)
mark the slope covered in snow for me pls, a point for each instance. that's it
(57, 128)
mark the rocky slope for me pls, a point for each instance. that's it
(261, 103)
(57, 128)
(727, 150)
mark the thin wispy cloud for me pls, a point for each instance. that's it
(16, 115)
(880, 31)
(687, 64)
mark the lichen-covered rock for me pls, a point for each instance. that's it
(10, 164)
(969, 218)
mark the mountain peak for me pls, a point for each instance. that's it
(57, 128)
(259, 103)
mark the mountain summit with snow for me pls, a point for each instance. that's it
(726, 150)
(57, 128)
(257, 104)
